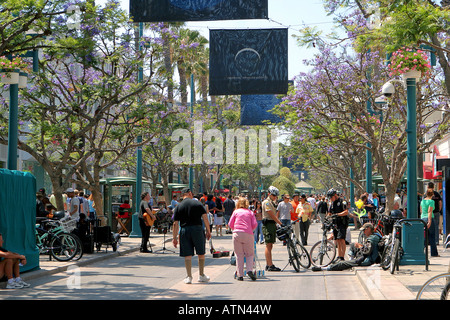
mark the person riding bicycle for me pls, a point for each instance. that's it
(362, 255)
(269, 228)
(338, 209)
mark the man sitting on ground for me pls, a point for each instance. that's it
(361, 254)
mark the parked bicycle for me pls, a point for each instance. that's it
(436, 288)
(298, 255)
(379, 226)
(323, 252)
(52, 239)
(393, 250)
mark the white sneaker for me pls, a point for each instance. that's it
(203, 278)
(13, 285)
(188, 280)
(23, 283)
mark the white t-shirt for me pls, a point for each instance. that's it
(74, 202)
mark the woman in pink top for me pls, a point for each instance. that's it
(243, 222)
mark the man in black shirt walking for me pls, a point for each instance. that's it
(188, 217)
(229, 206)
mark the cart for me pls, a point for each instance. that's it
(104, 236)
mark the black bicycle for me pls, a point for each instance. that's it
(393, 250)
(298, 255)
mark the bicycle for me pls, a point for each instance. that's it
(379, 227)
(295, 258)
(323, 252)
(305, 259)
(52, 239)
(436, 288)
(393, 250)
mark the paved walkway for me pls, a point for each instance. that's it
(379, 284)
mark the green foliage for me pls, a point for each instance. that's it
(285, 185)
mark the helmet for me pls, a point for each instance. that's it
(274, 191)
(331, 193)
(396, 214)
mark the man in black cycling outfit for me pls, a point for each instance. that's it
(337, 208)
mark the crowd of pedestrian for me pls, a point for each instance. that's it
(251, 221)
(255, 221)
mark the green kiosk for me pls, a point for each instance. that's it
(116, 190)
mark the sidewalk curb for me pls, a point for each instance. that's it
(39, 273)
(381, 286)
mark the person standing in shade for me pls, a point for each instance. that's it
(437, 212)
(145, 229)
(427, 215)
(190, 231)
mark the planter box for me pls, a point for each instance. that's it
(411, 74)
(9, 77)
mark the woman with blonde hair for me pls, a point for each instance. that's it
(243, 222)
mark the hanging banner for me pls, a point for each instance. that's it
(248, 61)
(255, 109)
(197, 10)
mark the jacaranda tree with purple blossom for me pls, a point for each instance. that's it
(334, 116)
(85, 107)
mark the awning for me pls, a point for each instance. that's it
(428, 170)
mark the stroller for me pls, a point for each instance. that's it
(104, 236)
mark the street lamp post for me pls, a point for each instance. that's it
(412, 234)
(411, 129)
(191, 169)
(135, 228)
(13, 126)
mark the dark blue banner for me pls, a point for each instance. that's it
(255, 109)
(197, 10)
(248, 61)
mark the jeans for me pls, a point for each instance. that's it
(432, 237)
(304, 231)
(258, 232)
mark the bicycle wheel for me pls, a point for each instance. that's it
(322, 253)
(362, 237)
(79, 252)
(293, 256)
(436, 288)
(395, 256)
(304, 258)
(63, 247)
(387, 254)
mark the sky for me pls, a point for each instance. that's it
(293, 14)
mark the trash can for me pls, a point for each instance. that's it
(414, 242)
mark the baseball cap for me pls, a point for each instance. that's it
(367, 225)
(70, 190)
(185, 190)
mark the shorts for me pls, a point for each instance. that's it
(192, 237)
(269, 231)
(340, 232)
